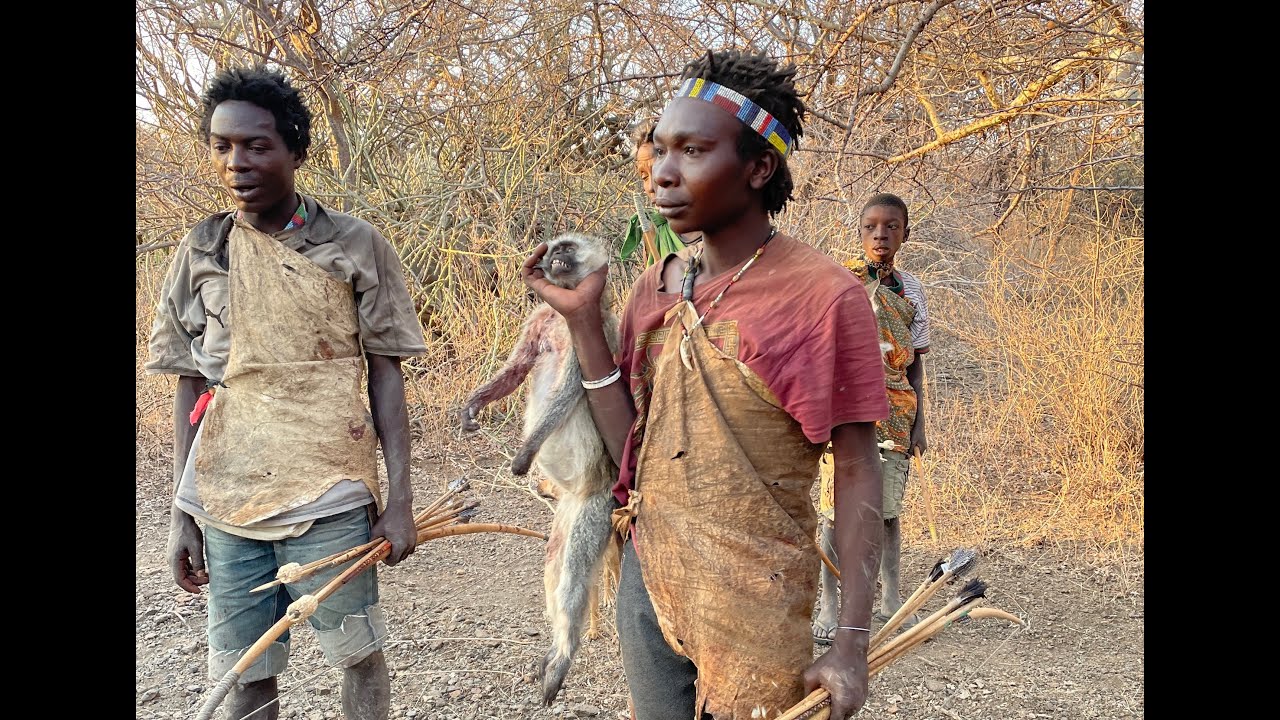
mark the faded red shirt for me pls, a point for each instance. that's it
(796, 318)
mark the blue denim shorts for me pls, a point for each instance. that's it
(348, 623)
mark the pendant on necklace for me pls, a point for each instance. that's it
(684, 353)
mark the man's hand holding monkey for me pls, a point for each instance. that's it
(579, 303)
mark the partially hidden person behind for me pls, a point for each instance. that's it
(268, 315)
(647, 230)
(740, 360)
(903, 319)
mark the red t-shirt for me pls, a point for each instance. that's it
(796, 318)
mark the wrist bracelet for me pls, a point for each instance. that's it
(604, 381)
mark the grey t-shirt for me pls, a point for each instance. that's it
(191, 332)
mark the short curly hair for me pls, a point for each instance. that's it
(773, 88)
(887, 200)
(268, 89)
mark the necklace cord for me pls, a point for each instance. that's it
(691, 270)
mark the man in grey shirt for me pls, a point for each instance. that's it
(268, 316)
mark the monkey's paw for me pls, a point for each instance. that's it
(469, 423)
(553, 671)
(520, 466)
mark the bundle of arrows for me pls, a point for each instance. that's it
(449, 515)
(885, 648)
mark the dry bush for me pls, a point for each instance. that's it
(1058, 424)
(468, 131)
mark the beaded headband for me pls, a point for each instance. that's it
(756, 117)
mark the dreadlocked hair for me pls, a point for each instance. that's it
(773, 88)
(268, 89)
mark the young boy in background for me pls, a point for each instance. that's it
(902, 317)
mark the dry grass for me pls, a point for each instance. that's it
(153, 399)
(1045, 442)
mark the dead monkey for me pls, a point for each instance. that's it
(561, 439)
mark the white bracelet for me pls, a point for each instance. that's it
(609, 379)
(846, 627)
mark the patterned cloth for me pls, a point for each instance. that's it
(913, 291)
(895, 315)
(741, 107)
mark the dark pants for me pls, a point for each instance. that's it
(660, 681)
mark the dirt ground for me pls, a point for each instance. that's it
(467, 632)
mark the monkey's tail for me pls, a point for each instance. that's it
(587, 534)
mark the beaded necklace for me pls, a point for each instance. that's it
(691, 271)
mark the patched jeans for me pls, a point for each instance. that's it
(348, 623)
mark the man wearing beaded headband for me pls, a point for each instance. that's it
(744, 356)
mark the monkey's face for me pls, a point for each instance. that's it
(561, 260)
(571, 257)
